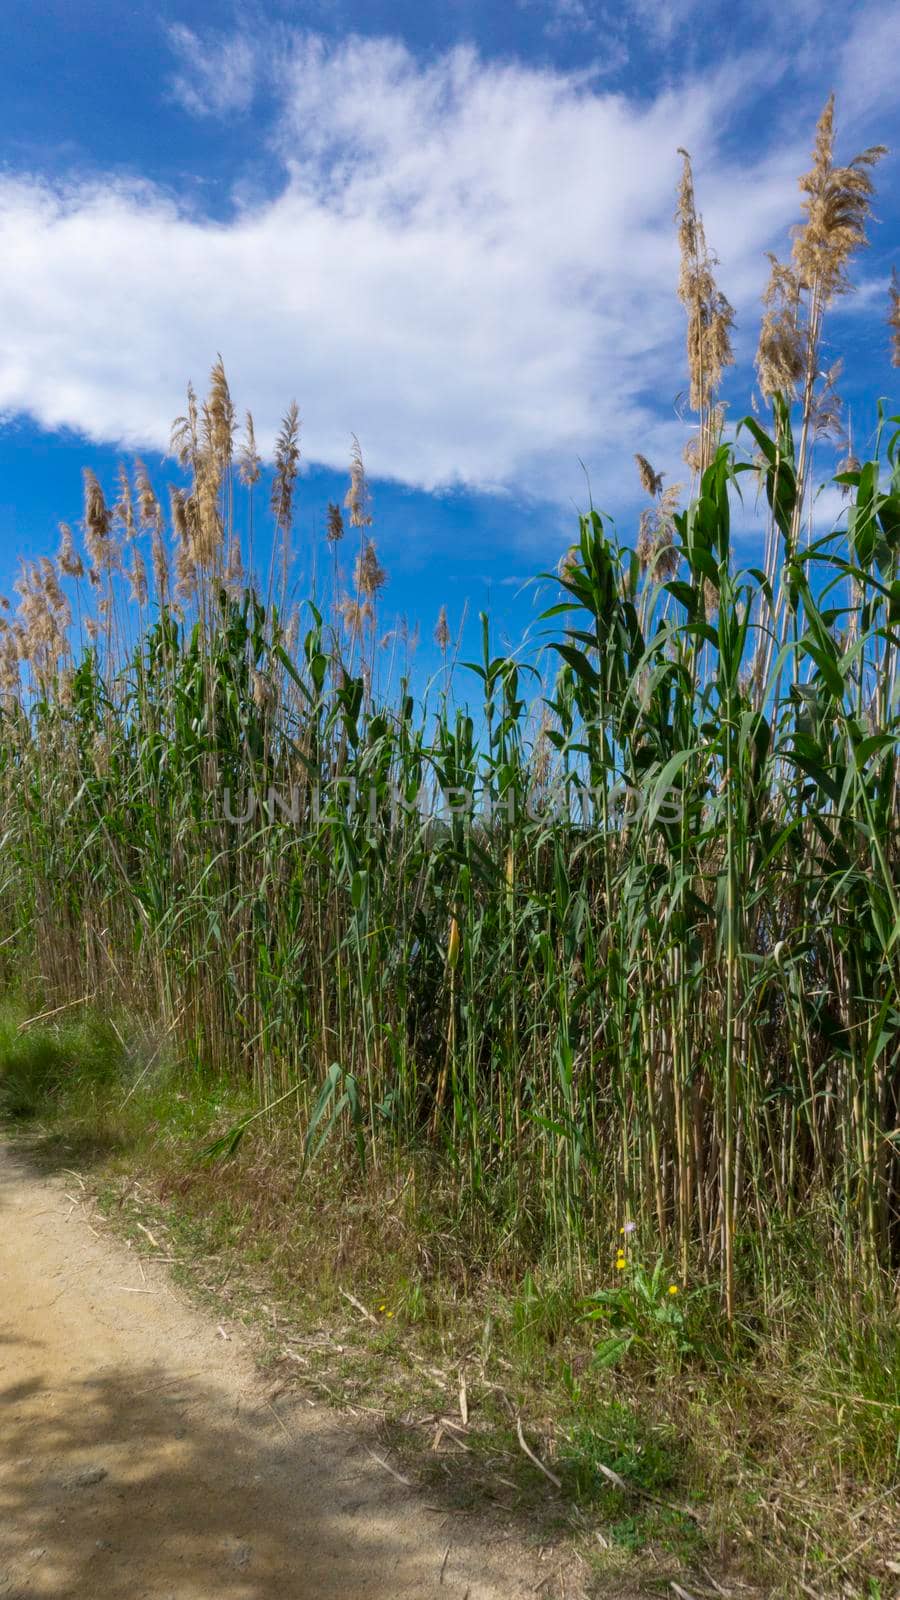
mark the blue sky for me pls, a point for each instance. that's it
(446, 229)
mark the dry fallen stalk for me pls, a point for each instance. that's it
(388, 1468)
(358, 1306)
(557, 1482)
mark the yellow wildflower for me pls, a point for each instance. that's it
(673, 1288)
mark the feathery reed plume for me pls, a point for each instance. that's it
(442, 631)
(234, 569)
(651, 482)
(287, 465)
(334, 523)
(645, 539)
(123, 510)
(357, 497)
(203, 515)
(160, 564)
(656, 550)
(709, 315)
(838, 205)
(355, 614)
(779, 355)
(66, 689)
(20, 637)
(292, 632)
(185, 573)
(184, 442)
(249, 459)
(178, 503)
(102, 548)
(219, 421)
(137, 577)
(196, 516)
(848, 463)
(262, 689)
(70, 562)
(368, 573)
(185, 565)
(45, 615)
(148, 505)
(10, 670)
(894, 317)
(53, 593)
(569, 561)
(825, 413)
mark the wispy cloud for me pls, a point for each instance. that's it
(867, 79)
(469, 264)
(561, 17)
(216, 76)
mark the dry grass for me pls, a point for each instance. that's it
(767, 1467)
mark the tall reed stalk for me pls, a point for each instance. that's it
(670, 996)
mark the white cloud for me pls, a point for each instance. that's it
(563, 17)
(867, 85)
(469, 265)
(828, 510)
(215, 78)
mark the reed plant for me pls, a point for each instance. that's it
(611, 930)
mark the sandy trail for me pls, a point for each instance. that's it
(140, 1455)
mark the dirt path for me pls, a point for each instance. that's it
(141, 1456)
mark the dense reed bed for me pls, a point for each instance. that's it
(610, 932)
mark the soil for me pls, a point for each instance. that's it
(143, 1454)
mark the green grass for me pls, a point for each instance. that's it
(81, 1059)
(730, 1446)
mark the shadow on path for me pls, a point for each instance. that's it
(143, 1457)
(132, 1483)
